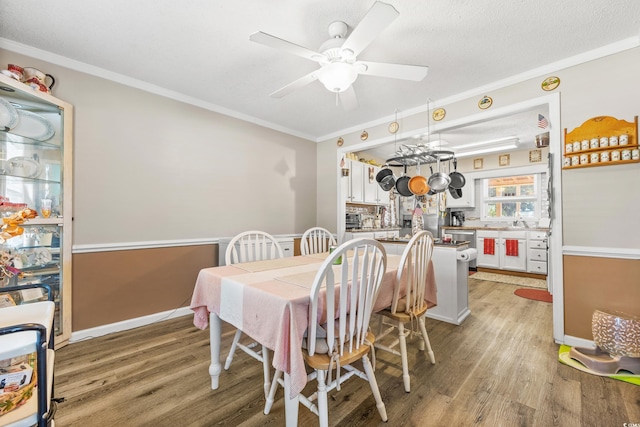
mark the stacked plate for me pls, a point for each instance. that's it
(24, 123)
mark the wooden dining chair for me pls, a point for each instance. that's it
(408, 304)
(316, 240)
(250, 246)
(341, 303)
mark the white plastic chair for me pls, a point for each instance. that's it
(413, 267)
(316, 240)
(246, 247)
(341, 335)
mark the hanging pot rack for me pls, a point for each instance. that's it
(418, 155)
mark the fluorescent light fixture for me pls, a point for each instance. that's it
(488, 142)
(486, 150)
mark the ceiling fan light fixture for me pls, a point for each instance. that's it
(337, 76)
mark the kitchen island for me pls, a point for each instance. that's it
(452, 275)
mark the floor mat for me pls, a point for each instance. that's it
(563, 357)
(512, 280)
(534, 294)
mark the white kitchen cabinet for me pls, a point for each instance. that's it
(499, 259)
(369, 183)
(537, 252)
(285, 242)
(468, 199)
(38, 147)
(357, 182)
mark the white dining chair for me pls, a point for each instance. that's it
(250, 246)
(408, 304)
(316, 240)
(342, 297)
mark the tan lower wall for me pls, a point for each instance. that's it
(592, 283)
(110, 287)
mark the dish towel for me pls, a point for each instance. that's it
(512, 247)
(489, 246)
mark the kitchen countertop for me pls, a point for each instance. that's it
(368, 230)
(453, 243)
(479, 227)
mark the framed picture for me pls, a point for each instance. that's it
(477, 163)
(503, 160)
(535, 156)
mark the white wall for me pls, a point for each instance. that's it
(149, 168)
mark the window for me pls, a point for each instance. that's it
(511, 197)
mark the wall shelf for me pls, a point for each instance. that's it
(597, 127)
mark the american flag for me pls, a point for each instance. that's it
(542, 122)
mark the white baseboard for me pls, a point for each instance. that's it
(128, 324)
(577, 342)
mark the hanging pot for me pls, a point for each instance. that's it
(402, 184)
(456, 193)
(387, 183)
(457, 179)
(439, 181)
(385, 179)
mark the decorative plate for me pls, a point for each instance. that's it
(485, 102)
(439, 114)
(550, 83)
(25, 167)
(364, 135)
(8, 115)
(33, 126)
(340, 141)
(393, 127)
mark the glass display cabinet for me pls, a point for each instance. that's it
(36, 173)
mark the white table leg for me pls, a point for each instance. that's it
(214, 342)
(290, 405)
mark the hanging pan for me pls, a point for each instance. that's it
(439, 181)
(402, 184)
(457, 179)
(456, 193)
(418, 184)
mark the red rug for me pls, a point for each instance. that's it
(534, 294)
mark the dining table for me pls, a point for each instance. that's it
(269, 301)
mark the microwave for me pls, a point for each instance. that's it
(352, 221)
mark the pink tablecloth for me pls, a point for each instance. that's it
(269, 302)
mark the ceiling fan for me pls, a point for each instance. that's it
(339, 67)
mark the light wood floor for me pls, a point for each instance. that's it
(499, 368)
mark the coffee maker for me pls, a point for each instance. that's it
(457, 218)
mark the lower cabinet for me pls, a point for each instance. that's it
(502, 250)
(537, 252)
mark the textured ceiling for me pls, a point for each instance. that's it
(201, 48)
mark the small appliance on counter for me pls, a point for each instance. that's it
(456, 218)
(353, 220)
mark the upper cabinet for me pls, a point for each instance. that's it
(36, 160)
(359, 184)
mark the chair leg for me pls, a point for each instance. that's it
(403, 354)
(266, 370)
(234, 344)
(425, 337)
(323, 407)
(272, 391)
(374, 387)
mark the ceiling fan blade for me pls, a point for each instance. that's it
(348, 99)
(394, 71)
(377, 19)
(278, 43)
(296, 84)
